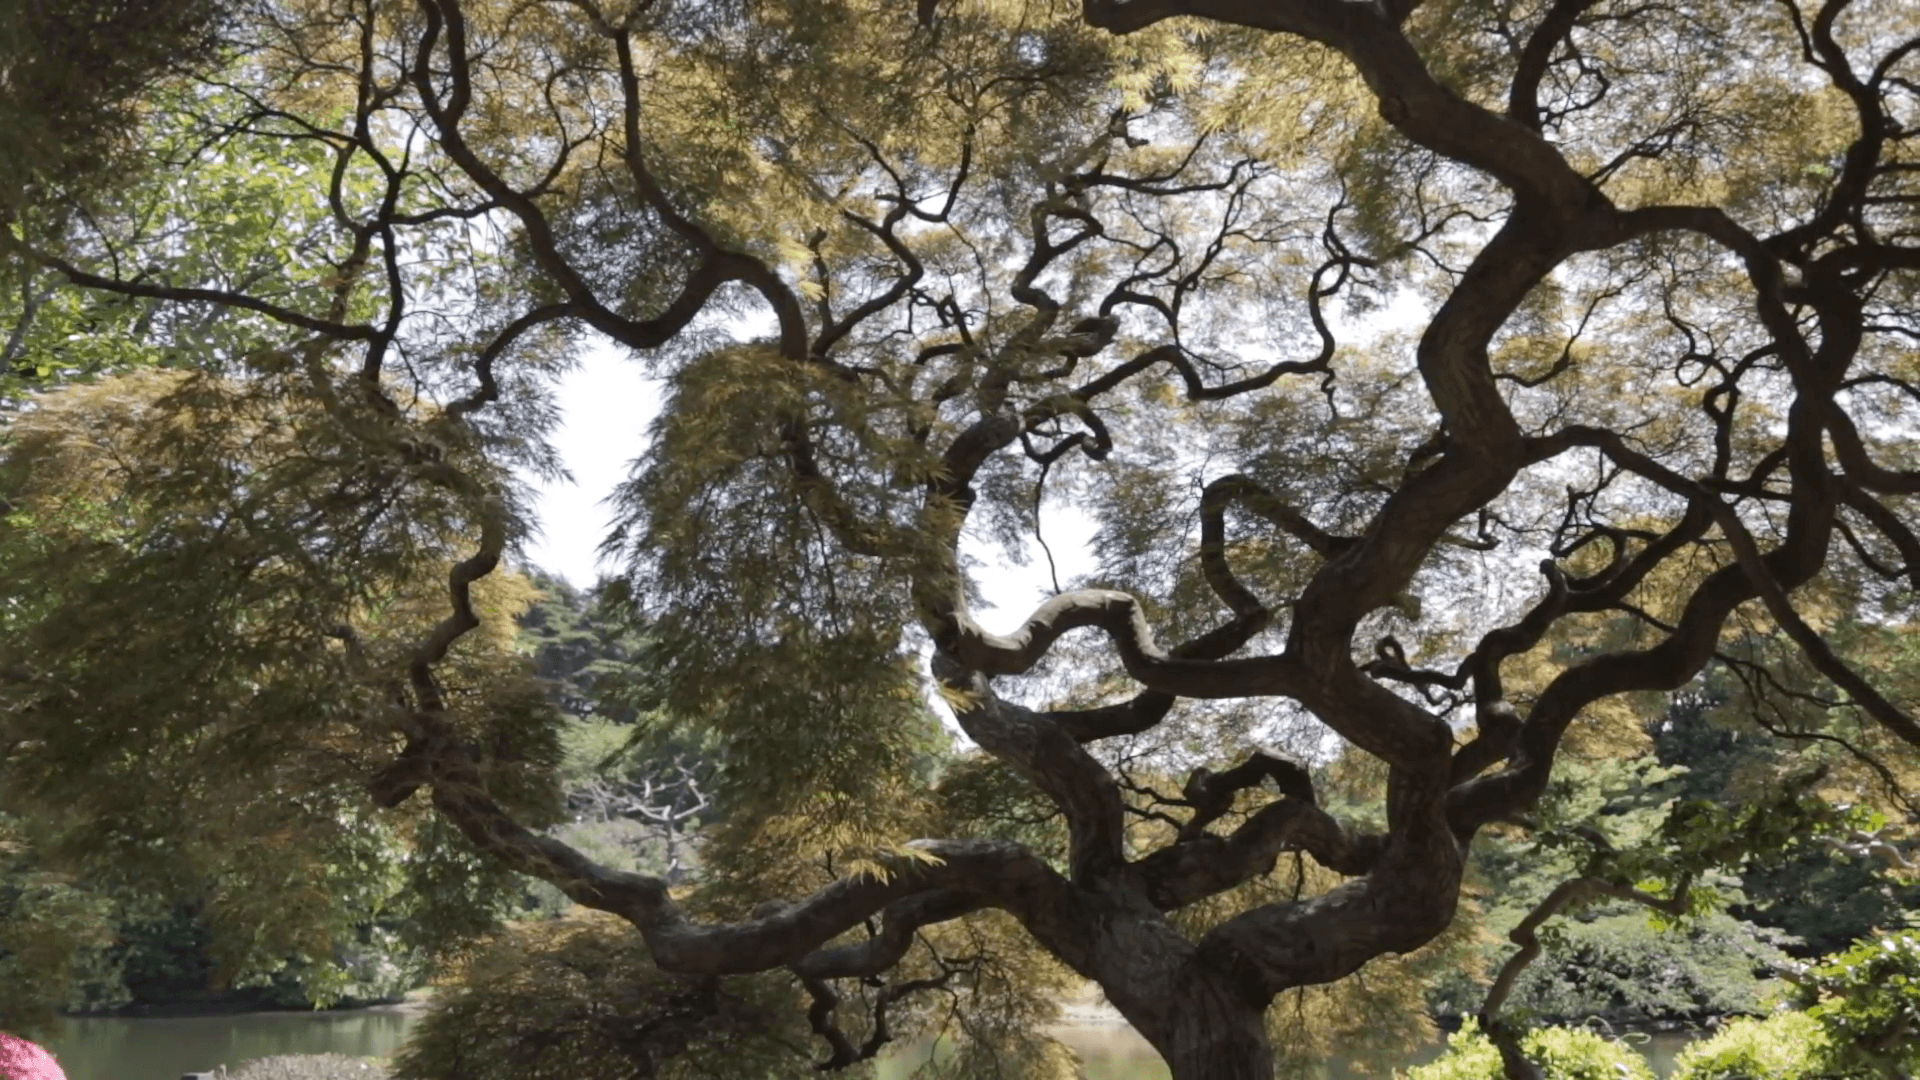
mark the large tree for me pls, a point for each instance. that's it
(1437, 373)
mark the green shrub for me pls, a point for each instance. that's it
(1621, 966)
(1863, 1007)
(1561, 1053)
(1583, 1054)
(1867, 1000)
(580, 997)
(1785, 1046)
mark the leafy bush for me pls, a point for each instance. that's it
(1785, 1046)
(1868, 1001)
(1864, 1007)
(580, 997)
(54, 939)
(1583, 1054)
(1561, 1053)
(1621, 966)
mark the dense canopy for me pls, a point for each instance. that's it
(1447, 382)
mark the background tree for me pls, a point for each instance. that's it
(1827, 892)
(598, 664)
(1661, 263)
(634, 783)
(1614, 828)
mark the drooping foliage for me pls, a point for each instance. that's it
(189, 686)
(556, 1000)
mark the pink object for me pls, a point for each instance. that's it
(22, 1060)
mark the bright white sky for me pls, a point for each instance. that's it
(606, 406)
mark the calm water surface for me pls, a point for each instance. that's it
(121, 1048)
(161, 1049)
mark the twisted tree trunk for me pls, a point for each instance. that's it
(1206, 1030)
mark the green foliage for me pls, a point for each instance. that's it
(1651, 826)
(596, 664)
(838, 789)
(1622, 966)
(1825, 898)
(983, 796)
(732, 548)
(236, 573)
(581, 997)
(451, 893)
(168, 958)
(1583, 1054)
(1619, 821)
(255, 224)
(1785, 1046)
(1867, 1000)
(1705, 834)
(54, 938)
(1561, 1053)
(1816, 891)
(618, 751)
(1016, 1055)
(1861, 1020)
(192, 500)
(791, 660)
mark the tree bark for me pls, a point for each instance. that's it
(1207, 1031)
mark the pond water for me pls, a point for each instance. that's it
(139, 1048)
(121, 1048)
